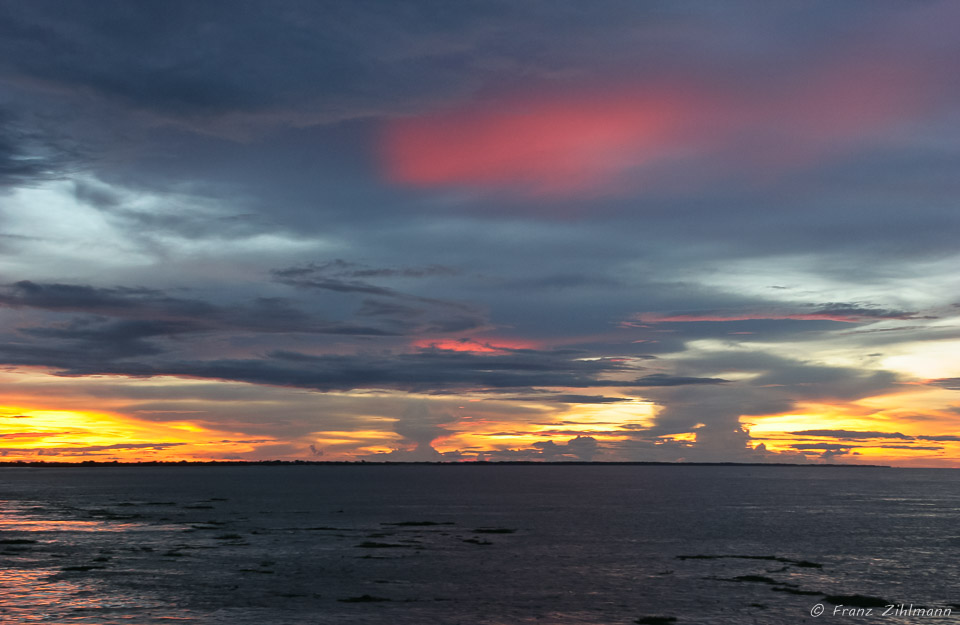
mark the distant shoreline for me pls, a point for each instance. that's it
(364, 463)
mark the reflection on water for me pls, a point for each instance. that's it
(42, 577)
(11, 522)
(30, 596)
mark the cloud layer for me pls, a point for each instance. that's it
(489, 230)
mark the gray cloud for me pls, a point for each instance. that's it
(851, 434)
(951, 384)
(185, 315)
(425, 371)
(29, 156)
(419, 426)
(835, 447)
(568, 398)
(128, 331)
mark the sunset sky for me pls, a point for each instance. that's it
(433, 230)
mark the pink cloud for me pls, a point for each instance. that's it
(543, 144)
(486, 346)
(616, 138)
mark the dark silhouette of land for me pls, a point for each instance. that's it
(366, 463)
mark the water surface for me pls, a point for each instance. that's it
(488, 545)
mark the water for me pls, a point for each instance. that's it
(487, 545)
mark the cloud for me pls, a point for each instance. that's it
(424, 371)
(84, 450)
(851, 434)
(640, 132)
(340, 268)
(581, 448)
(836, 447)
(133, 332)
(424, 313)
(324, 66)
(768, 384)
(28, 156)
(34, 434)
(266, 315)
(951, 384)
(829, 454)
(268, 199)
(847, 313)
(568, 398)
(419, 426)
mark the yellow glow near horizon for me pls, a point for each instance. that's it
(73, 435)
(57, 429)
(898, 438)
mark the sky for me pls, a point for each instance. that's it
(426, 230)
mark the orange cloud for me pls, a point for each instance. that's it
(492, 346)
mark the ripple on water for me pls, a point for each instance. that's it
(38, 583)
